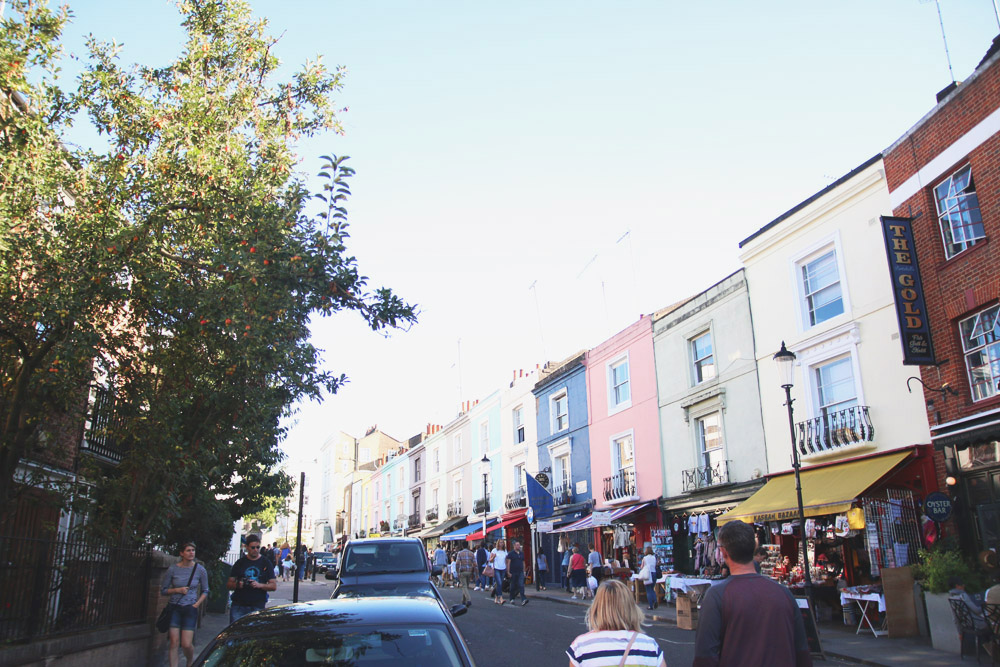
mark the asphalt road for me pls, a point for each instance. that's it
(540, 632)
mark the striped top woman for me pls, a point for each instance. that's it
(614, 639)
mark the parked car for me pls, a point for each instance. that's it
(414, 631)
(324, 560)
(387, 566)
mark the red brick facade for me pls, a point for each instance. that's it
(959, 131)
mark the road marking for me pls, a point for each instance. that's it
(572, 618)
(670, 641)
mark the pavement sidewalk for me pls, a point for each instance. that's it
(838, 641)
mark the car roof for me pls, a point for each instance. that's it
(345, 612)
(401, 540)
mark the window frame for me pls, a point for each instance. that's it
(623, 359)
(806, 256)
(983, 349)
(554, 415)
(613, 440)
(696, 360)
(950, 178)
(484, 436)
(700, 439)
(814, 373)
(517, 416)
(559, 449)
(457, 447)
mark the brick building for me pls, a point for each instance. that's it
(944, 178)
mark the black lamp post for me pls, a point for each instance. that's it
(786, 373)
(486, 502)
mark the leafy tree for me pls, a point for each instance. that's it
(180, 267)
(270, 510)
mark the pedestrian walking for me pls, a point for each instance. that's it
(748, 619)
(465, 565)
(578, 574)
(441, 562)
(286, 567)
(300, 562)
(515, 568)
(564, 571)
(647, 575)
(250, 579)
(482, 557)
(186, 582)
(614, 637)
(595, 563)
(498, 559)
(542, 567)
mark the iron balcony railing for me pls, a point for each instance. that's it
(415, 521)
(563, 495)
(103, 438)
(455, 508)
(832, 430)
(620, 485)
(705, 476)
(481, 505)
(399, 524)
(516, 499)
(431, 514)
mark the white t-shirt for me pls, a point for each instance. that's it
(499, 559)
(693, 524)
(648, 568)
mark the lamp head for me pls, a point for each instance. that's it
(785, 360)
(485, 460)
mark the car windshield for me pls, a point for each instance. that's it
(387, 589)
(384, 558)
(416, 646)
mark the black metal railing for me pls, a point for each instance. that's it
(481, 505)
(398, 524)
(415, 521)
(620, 485)
(104, 437)
(705, 476)
(563, 494)
(832, 430)
(53, 587)
(455, 508)
(431, 514)
(516, 499)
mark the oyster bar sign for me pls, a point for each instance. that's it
(937, 506)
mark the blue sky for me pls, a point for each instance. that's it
(500, 145)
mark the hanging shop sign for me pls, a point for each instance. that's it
(542, 479)
(601, 519)
(544, 526)
(937, 506)
(908, 291)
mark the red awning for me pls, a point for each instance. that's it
(478, 535)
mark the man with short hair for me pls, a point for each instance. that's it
(482, 555)
(758, 557)
(596, 566)
(465, 567)
(250, 579)
(515, 568)
(748, 619)
(441, 561)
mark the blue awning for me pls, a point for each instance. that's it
(461, 533)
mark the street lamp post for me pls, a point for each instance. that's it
(786, 372)
(486, 502)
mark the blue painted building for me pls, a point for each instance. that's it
(563, 447)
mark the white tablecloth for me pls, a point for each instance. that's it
(685, 583)
(871, 597)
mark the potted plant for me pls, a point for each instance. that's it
(936, 567)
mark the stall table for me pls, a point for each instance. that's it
(865, 601)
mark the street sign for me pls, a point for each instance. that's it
(544, 526)
(530, 515)
(601, 518)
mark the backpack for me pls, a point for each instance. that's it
(657, 572)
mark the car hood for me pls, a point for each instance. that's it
(390, 578)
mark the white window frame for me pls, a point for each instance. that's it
(456, 485)
(815, 251)
(968, 243)
(612, 440)
(553, 415)
(967, 350)
(695, 360)
(815, 352)
(519, 481)
(609, 367)
(699, 439)
(517, 417)
(437, 460)
(814, 384)
(434, 496)
(484, 436)
(457, 447)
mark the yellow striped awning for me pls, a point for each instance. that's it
(827, 490)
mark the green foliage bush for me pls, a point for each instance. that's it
(938, 565)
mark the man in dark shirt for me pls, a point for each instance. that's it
(250, 579)
(748, 619)
(515, 568)
(482, 555)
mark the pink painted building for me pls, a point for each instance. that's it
(624, 423)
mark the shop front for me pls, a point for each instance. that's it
(555, 543)
(862, 517)
(515, 527)
(432, 536)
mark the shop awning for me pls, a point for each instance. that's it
(461, 533)
(441, 528)
(478, 535)
(826, 490)
(588, 521)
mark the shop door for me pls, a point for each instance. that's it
(989, 525)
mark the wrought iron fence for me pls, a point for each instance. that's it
(620, 485)
(414, 521)
(705, 476)
(516, 499)
(562, 495)
(455, 508)
(58, 586)
(845, 427)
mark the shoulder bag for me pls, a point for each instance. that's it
(163, 620)
(627, 649)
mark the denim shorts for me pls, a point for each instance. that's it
(185, 617)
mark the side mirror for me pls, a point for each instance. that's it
(458, 610)
(436, 571)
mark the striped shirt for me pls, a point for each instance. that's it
(605, 648)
